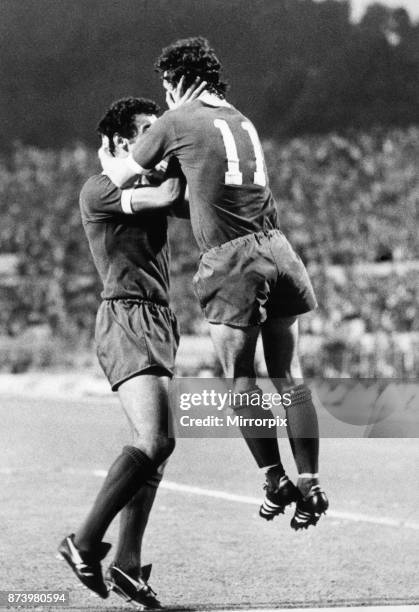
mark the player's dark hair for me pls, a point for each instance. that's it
(192, 58)
(119, 118)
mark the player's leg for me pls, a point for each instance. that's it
(125, 575)
(235, 348)
(132, 524)
(232, 285)
(136, 346)
(145, 402)
(134, 516)
(280, 339)
(133, 521)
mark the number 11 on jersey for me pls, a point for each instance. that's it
(233, 176)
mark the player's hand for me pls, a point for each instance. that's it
(161, 167)
(176, 98)
(158, 173)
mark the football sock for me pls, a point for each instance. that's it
(303, 430)
(306, 481)
(278, 467)
(275, 471)
(264, 450)
(126, 475)
(133, 521)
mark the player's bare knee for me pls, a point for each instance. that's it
(158, 446)
(235, 348)
(164, 447)
(287, 378)
(280, 345)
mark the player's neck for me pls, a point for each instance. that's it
(212, 100)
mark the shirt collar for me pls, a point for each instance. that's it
(212, 100)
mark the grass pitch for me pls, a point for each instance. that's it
(207, 552)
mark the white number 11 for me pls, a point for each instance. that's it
(233, 176)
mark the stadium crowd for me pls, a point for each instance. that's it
(348, 205)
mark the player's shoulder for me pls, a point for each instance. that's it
(223, 110)
(233, 111)
(171, 116)
(96, 191)
(95, 184)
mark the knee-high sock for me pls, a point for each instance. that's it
(264, 449)
(127, 474)
(303, 430)
(133, 521)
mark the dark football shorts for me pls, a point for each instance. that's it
(134, 336)
(251, 279)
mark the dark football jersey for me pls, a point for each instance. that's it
(130, 251)
(221, 156)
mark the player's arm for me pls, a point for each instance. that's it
(102, 201)
(152, 198)
(167, 194)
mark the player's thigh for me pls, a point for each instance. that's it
(280, 346)
(235, 347)
(145, 401)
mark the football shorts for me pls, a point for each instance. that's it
(134, 336)
(252, 278)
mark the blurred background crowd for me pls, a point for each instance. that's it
(337, 105)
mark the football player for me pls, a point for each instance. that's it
(137, 338)
(249, 280)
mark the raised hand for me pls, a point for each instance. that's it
(176, 98)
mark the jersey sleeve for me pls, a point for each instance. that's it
(158, 142)
(100, 199)
(168, 168)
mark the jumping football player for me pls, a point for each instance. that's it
(137, 338)
(249, 277)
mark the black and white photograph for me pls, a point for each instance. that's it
(209, 286)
